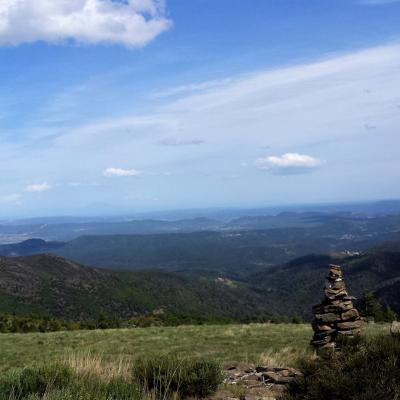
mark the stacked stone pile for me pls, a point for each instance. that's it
(336, 315)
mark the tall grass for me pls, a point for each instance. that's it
(88, 365)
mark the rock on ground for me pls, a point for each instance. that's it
(246, 381)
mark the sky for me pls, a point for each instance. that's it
(147, 105)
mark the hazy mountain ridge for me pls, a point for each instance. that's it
(69, 228)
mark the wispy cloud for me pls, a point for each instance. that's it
(109, 172)
(180, 142)
(38, 187)
(377, 2)
(131, 23)
(294, 109)
(10, 198)
(191, 88)
(289, 163)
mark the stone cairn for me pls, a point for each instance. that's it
(336, 315)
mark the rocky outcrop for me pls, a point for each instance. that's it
(336, 315)
(250, 382)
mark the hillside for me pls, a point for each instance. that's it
(297, 285)
(51, 285)
(29, 247)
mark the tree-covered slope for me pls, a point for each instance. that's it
(51, 285)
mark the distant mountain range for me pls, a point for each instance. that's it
(217, 220)
(231, 253)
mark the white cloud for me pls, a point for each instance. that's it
(120, 172)
(289, 163)
(132, 23)
(38, 187)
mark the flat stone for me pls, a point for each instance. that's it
(321, 327)
(276, 377)
(328, 317)
(323, 335)
(349, 298)
(350, 325)
(350, 314)
(343, 305)
(321, 309)
(321, 342)
(350, 332)
(333, 294)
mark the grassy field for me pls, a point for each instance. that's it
(279, 344)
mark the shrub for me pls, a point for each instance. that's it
(364, 369)
(188, 378)
(58, 382)
(34, 381)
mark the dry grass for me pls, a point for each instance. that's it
(286, 357)
(94, 365)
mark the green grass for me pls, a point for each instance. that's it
(223, 343)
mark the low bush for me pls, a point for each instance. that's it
(363, 369)
(34, 381)
(187, 378)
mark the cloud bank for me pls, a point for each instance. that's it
(132, 23)
(109, 172)
(289, 164)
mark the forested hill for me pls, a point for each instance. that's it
(296, 285)
(51, 285)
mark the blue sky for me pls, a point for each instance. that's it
(146, 105)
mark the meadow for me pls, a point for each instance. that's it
(256, 343)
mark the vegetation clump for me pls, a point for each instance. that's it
(363, 369)
(186, 378)
(61, 382)
(91, 378)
